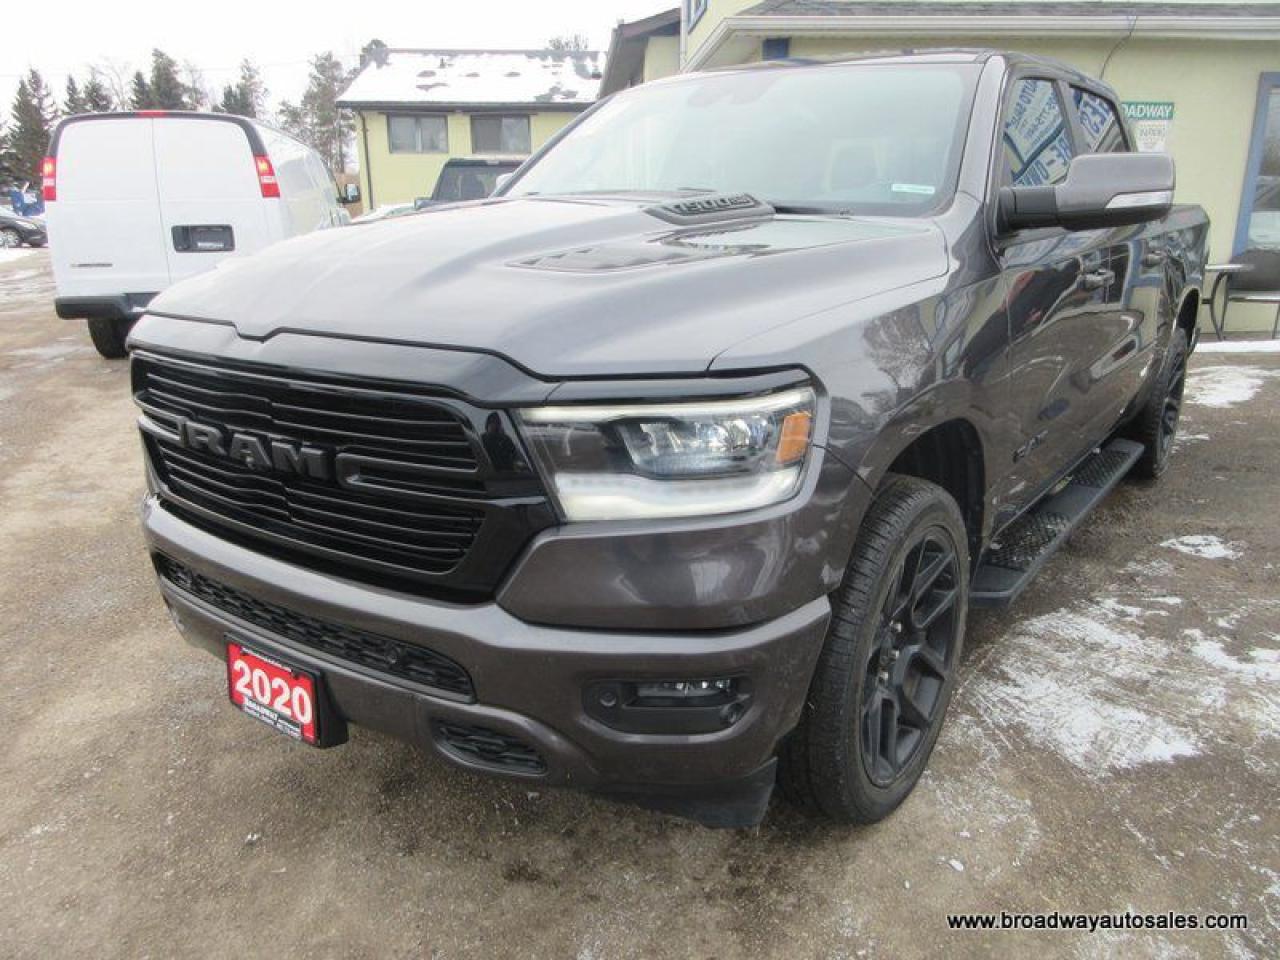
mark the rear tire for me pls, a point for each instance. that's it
(109, 335)
(1156, 425)
(887, 669)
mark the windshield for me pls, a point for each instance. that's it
(861, 138)
(469, 181)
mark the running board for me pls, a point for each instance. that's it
(1022, 548)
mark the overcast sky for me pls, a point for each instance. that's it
(70, 35)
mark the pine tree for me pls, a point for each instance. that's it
(33, 116)
(168, 92)
(97, 98)
(140, 96)
(252, 89)
(247, 97)
(73, 102)
(317, 120)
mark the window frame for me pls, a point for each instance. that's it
(528, 122)
(1069, 119)
(695, 9)
(1268, 83)
(1116, 111)
(443, 117)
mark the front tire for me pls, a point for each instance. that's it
(10, 238)
(109, 335)
(887, 670)
(1156, 425)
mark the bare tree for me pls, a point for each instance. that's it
(568, 42)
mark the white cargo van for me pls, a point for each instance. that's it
(137, 201)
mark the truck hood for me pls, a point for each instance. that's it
(565, 286)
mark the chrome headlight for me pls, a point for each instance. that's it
(690, 458)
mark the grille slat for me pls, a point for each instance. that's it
(385, 654)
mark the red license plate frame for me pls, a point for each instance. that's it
(282, 696)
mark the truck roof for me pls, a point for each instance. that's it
(916, 56)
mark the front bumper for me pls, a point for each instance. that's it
(529, 679)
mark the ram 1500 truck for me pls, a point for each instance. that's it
(671, 471)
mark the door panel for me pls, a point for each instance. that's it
(207, 178)
(1061, 337)
(105, 224)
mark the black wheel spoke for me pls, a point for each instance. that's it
(908, 658)
(929, 659)
(932, 607)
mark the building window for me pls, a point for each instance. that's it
(1259, 224)
(1103, 132)
(694, 9)
(1037, 142)
(775, 48)
(492, 134)
(417, 134)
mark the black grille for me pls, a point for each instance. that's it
(491, 748)
(392, 486)
(372, 650)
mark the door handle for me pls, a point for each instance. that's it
(1097, 279)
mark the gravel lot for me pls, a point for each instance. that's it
(1113, 746)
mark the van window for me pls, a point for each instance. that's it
(204, 160)
(1037, 142)
(1103, 132)
(106, 160)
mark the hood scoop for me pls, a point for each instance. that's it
(711, 209)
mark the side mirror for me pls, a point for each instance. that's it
(421, 203)
(350, 193)
(1100, 190)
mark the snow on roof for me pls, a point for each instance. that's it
(401, 76)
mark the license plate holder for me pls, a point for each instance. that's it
(286, 698)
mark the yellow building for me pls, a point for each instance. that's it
(416, 109)
(1201, 80)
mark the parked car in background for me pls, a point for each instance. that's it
(17, 230)
(140, 200)
(469, 178)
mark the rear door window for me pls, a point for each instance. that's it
(1103, 132)
(1036, 137)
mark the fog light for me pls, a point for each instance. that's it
(669, 706)
(683, 692)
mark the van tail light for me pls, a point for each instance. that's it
(267, 176)
(49, 179)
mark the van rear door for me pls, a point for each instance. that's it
(211, 201)
(105, 224)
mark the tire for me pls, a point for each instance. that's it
(108, 335)
(832, 763)
(1156, 425)
(10, 238)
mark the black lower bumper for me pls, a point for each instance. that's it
(529, 681)
(124, 306)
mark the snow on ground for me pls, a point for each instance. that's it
(1223, 386)
(9, 254)
(1238, 346)
(1205, 546)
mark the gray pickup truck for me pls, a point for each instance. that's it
(671, 471)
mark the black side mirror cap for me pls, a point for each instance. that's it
(1100, 190)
